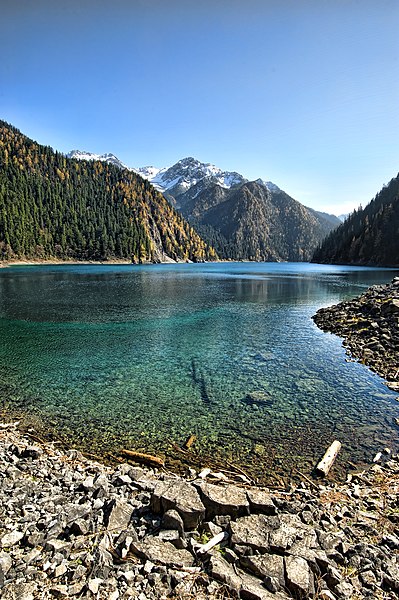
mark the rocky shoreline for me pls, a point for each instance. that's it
(369, 325)
(74, 528)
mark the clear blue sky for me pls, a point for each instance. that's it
(303, 93)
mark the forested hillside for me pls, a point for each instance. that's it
(250, 221)
(369, 236)
(55, 207)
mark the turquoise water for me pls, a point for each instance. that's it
(142, 356)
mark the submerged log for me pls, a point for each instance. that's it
(328, 459)
(189, 442)
(143, 458)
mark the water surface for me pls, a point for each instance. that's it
(141, 357)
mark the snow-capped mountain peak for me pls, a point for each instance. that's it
(188, 172)
(108, 158)
(180, 177)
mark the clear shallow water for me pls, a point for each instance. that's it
(139, 357)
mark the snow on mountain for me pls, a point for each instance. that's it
(272, 187)
(188, 172)
(181, 176)
(108, 158)
(147, 172)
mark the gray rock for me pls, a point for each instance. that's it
(261, 501)
(5, 562)
(299, 577)
(12, 538)
(76, 511)
(230, 556)
(391, 540)
(55, 545)
(265, 566)
(391, 576)
(325, 595)
(169, 535)
(333, 577)
(163, 553)
(253, 531)
(252, 589)
(5, 566)
(79, 527)
(20, 591)
(368, 579)
(211, 528)
(220, 500)
(242, 584)
(329, 541)
(94, 584)
(76, 588)
(179, 495)
(119, 515)
(222, 571)
(344, 590)
(282, 538)
(172, 520)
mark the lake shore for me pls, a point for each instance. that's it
(54, 261)
(73, 527)
(369, 325)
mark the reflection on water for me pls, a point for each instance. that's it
(141, 356)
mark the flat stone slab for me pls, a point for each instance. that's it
(222, 571)
(120, 515)
(181, 496)
(299, 577)
(162, 553)
(9, 539)
(290, 529)
(261, 501)
(219, 500)
(254, 531)
(265, 565)
(244, 585)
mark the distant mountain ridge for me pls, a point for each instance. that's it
(249, 221)
(179, 177)
(242, 220)
(369, 236)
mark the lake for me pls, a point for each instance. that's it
(140, 357)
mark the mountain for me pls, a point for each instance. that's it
(186, 173)
(249, 221)
(108, 158)
(242, 219)
(55, 206)
(257, 221)
(369, 236)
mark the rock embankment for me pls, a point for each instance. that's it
(369, 325)
(73, 528)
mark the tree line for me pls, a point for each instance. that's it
(55, 207)
(369, 236)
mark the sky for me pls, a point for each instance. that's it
(304, 93)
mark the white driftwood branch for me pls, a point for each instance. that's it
(217, 539)
(328, 459)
